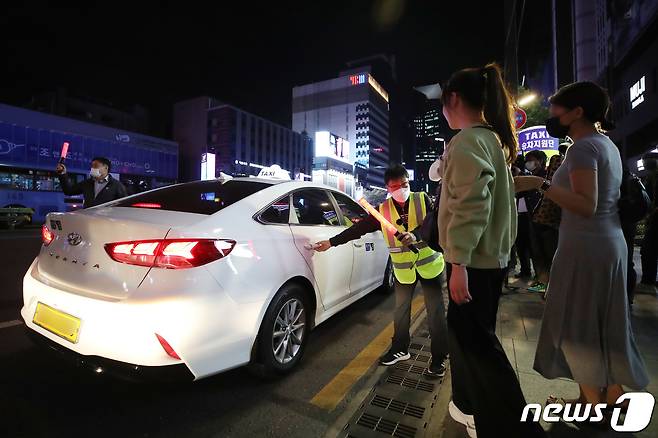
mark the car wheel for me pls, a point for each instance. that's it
(284, 331)
(389, 279)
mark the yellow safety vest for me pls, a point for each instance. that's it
(427, 262)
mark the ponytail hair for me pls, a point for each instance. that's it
(483, 89)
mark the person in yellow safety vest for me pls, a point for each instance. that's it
(407, 211)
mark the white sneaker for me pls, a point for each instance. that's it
(462, 418)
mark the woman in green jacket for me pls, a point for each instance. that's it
(477, 227)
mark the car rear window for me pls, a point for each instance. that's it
(203, 197)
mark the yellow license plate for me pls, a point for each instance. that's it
(62, 324)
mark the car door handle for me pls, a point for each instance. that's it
(358, 245)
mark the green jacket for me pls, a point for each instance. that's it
(477, 213)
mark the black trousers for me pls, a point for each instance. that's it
(523, 245)
(484, 384)
(543, 242)
(649, 250)
(436, 320)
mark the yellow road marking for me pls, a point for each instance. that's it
(334, 391)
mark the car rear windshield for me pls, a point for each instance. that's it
(203, 197)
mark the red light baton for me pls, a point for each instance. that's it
(382, 220)
(65, 150)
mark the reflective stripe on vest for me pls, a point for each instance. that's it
(399, 249)
(427, 262)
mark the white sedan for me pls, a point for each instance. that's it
(199, 277)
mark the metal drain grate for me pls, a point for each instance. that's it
(420, 357)
(388, 427)
(409, 368)
(408, 382)
(415, 346)
(398, 406)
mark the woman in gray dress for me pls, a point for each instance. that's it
(586, 332)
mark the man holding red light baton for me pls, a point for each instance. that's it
(400, 218)
(98, 189)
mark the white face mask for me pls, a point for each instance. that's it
(402, 194)
(531, 165)
(94, 173)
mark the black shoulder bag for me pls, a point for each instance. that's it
(429, 230)
(634, 202)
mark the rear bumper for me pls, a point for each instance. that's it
(120, 370)
(208, 330)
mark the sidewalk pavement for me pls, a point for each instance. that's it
(519, 322)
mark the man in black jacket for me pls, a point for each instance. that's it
(98, 189)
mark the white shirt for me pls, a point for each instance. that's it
(523, 208)
(100, 185)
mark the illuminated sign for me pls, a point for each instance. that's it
(274, 172)
(378, 88)
(207, 166)
(537, 138)
(331, 145)
(358, 79)
(361, 79)
(637, 92)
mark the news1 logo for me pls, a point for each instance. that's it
(637, 418)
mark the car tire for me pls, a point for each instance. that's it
(388, 284)
(283, 335)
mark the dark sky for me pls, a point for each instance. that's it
(246, 53)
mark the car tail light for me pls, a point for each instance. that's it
(170, 253)
(146, 205)
(167, 348)
(47, 236)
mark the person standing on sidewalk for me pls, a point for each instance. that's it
(545, 222)
(586, 331)
(649, 249)
(535, 164)
(477, 227)
(407, 211)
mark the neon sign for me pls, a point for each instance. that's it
(358, 79)
(537, 138)
(378, 88)
(637, 92)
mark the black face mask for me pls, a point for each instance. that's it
(555, 128)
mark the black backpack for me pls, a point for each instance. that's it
(429, 229)
(634, 202)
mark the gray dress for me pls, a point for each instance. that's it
(586, 333)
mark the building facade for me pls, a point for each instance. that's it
(31, 145)
(616, 46)
(353, 106)
(61, 103)
(241, 143)
(430, 143)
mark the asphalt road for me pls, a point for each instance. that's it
(42, 396)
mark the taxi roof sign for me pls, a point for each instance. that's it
(274, 172)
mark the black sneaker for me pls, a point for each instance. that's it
(436, 371)
(393, 357)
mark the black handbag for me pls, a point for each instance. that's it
(634, 202)
(429, 230)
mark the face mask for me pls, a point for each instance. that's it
(94, 173)
(531, 165)
(402, 194)
(555, 128)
